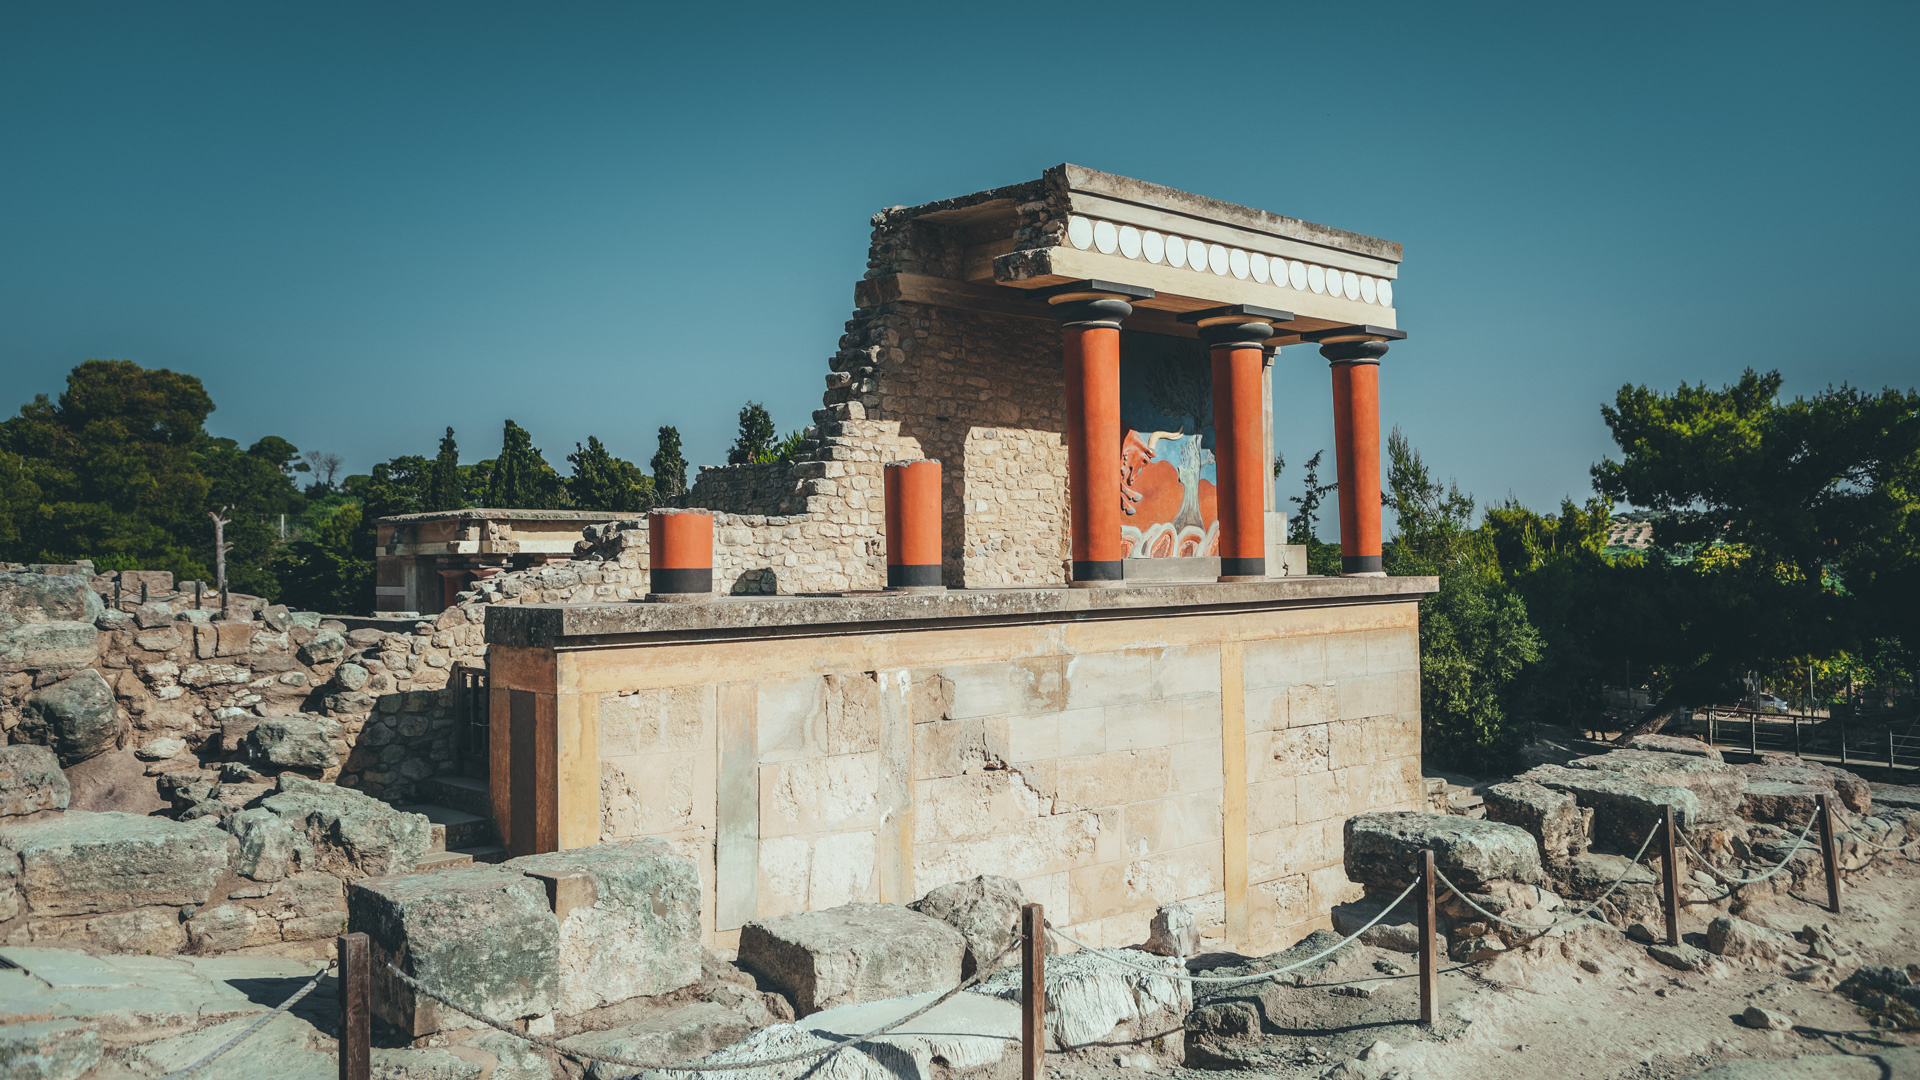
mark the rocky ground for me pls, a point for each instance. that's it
(597, 949)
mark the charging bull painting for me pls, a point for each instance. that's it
(1166, 449)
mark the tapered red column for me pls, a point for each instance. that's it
(913, 524)
(1356, 440)
(1355, 352)
(1091, 346)
(1236, 337)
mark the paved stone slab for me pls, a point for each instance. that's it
(1625, 807)
(1717, 786)
(47, 1050)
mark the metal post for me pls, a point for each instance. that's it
(356, 1028)
(199, 595)
(1824, 807)
(116, 592)
(1033, 993)
(143, 592)
(1843, 740)
(1889, 748)
(1670, 855)
(1713, 727)
(1429, 938)
(1753, 731)
(1796, 736)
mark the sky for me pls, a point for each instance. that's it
(362, 223)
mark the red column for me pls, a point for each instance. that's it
(680, 555)
(1237, 338)
(1092, 351)
(913, 524)
(1356, 439)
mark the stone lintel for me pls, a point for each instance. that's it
(563, 625)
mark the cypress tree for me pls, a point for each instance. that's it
(669, 468)
(444, 489)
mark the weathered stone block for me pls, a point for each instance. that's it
(1553, 817)
(483, 934)
(293, 743)
(1383, 850)
(1852, 791)
(35, 597)
(986, 911)
(31, 781)
(80, 862)
(853, 953)
(75, 716)
(639, 936)
(1625, 808)
(1718, 787)
(48, 645)
(339, 830)
(1674, 744)
(1737, 939)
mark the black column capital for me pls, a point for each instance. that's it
(1236, 326)
(1354, 352)
(1091, 302)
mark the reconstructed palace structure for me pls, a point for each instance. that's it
(1098, 670)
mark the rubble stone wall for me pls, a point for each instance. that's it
(1083, 760)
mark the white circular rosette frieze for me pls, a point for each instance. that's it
(1220, 260)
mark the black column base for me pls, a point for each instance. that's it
(1243, 568)
(913, 577)
(671, 581)
(1101, 572)
(1360, 564)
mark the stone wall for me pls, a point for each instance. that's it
(1083, 759)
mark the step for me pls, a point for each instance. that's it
(443, 860)
(454, 829)
(462, 793)
(486, 853)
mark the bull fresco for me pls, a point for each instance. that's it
(1166, 449)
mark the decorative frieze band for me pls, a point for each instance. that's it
(1110, 238)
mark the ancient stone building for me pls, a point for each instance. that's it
(424, 561)
(1091, 359)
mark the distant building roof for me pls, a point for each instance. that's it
(1630, 534)
(482, 514)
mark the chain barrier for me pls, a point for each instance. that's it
(1110, 956)
(1734, 879)
(697, 1064)
(182, 1074)
(1538, 930)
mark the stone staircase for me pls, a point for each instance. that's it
(462, 815)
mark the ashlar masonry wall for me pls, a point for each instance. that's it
(1110, 766)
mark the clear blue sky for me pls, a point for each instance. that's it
(361, 223)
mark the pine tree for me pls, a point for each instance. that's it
(444, 487)
(755, 442)
(601, 481)
(669, 468)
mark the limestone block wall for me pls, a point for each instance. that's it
(1110, 766)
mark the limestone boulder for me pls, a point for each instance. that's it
(342, 831)
(1780, 802)
(484, 934)
(986, 911)
(1717, 786)
(1737, 939)
(1382, 850)
(1092, 999)
(853, 953)
(1552, 817)
(1625, 807)
(75, 716)
(31, 781)
(629, 918)
(293, 742)
(1174, 931)
(325, 645)
(79, 863)
(1637, 898)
